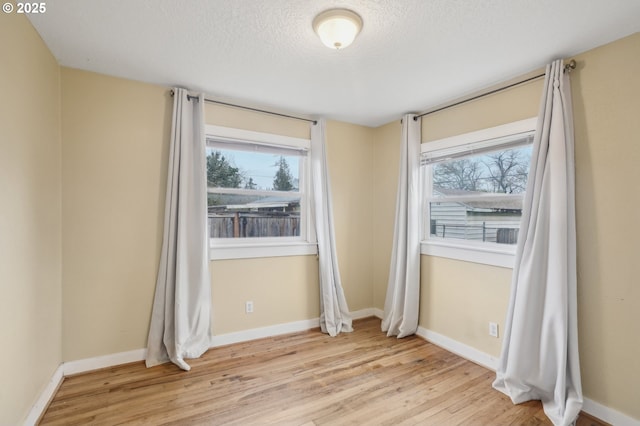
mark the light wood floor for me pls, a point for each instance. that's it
(305, 378)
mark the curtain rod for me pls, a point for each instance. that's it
(189, 97)
(567, 68)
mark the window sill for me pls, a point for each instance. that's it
(486, 254)
(237, 250)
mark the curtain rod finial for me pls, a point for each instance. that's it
(570, 66)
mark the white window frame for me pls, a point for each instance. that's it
(243, 248)
(470, 251)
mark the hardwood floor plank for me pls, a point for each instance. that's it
(302, 379)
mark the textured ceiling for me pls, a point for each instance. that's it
(411, 54)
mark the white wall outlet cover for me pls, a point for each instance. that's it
(493, 329)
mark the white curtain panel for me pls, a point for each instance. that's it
(403, 290)
(334, 312)
(539, 359)
(181, 318)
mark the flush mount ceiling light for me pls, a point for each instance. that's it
(337, 28)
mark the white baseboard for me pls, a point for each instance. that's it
(262, 332)
(45, 396)
(364, 313)
(104, 361)
(80, 366)
(607, 414)
(277, 330)
(591, 407)
(458, 348)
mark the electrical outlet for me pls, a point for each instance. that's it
(493, 329)
(248, 307)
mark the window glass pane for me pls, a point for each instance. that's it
(477, 148)
(502, 172)
(496, 221)
(470, 213)
(252, 170)
(251, 216)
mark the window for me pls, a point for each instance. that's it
(474, 187)
(257, 199)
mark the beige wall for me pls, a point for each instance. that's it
(511, 105)
(115, 146)
(30, 227)
(454, 299)
(458, 299)
(115, 136)
(606, 100)
(285, 289)
(516, 103)
(386, 158)
(350, 160)
(94, 225)
(237, 118)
